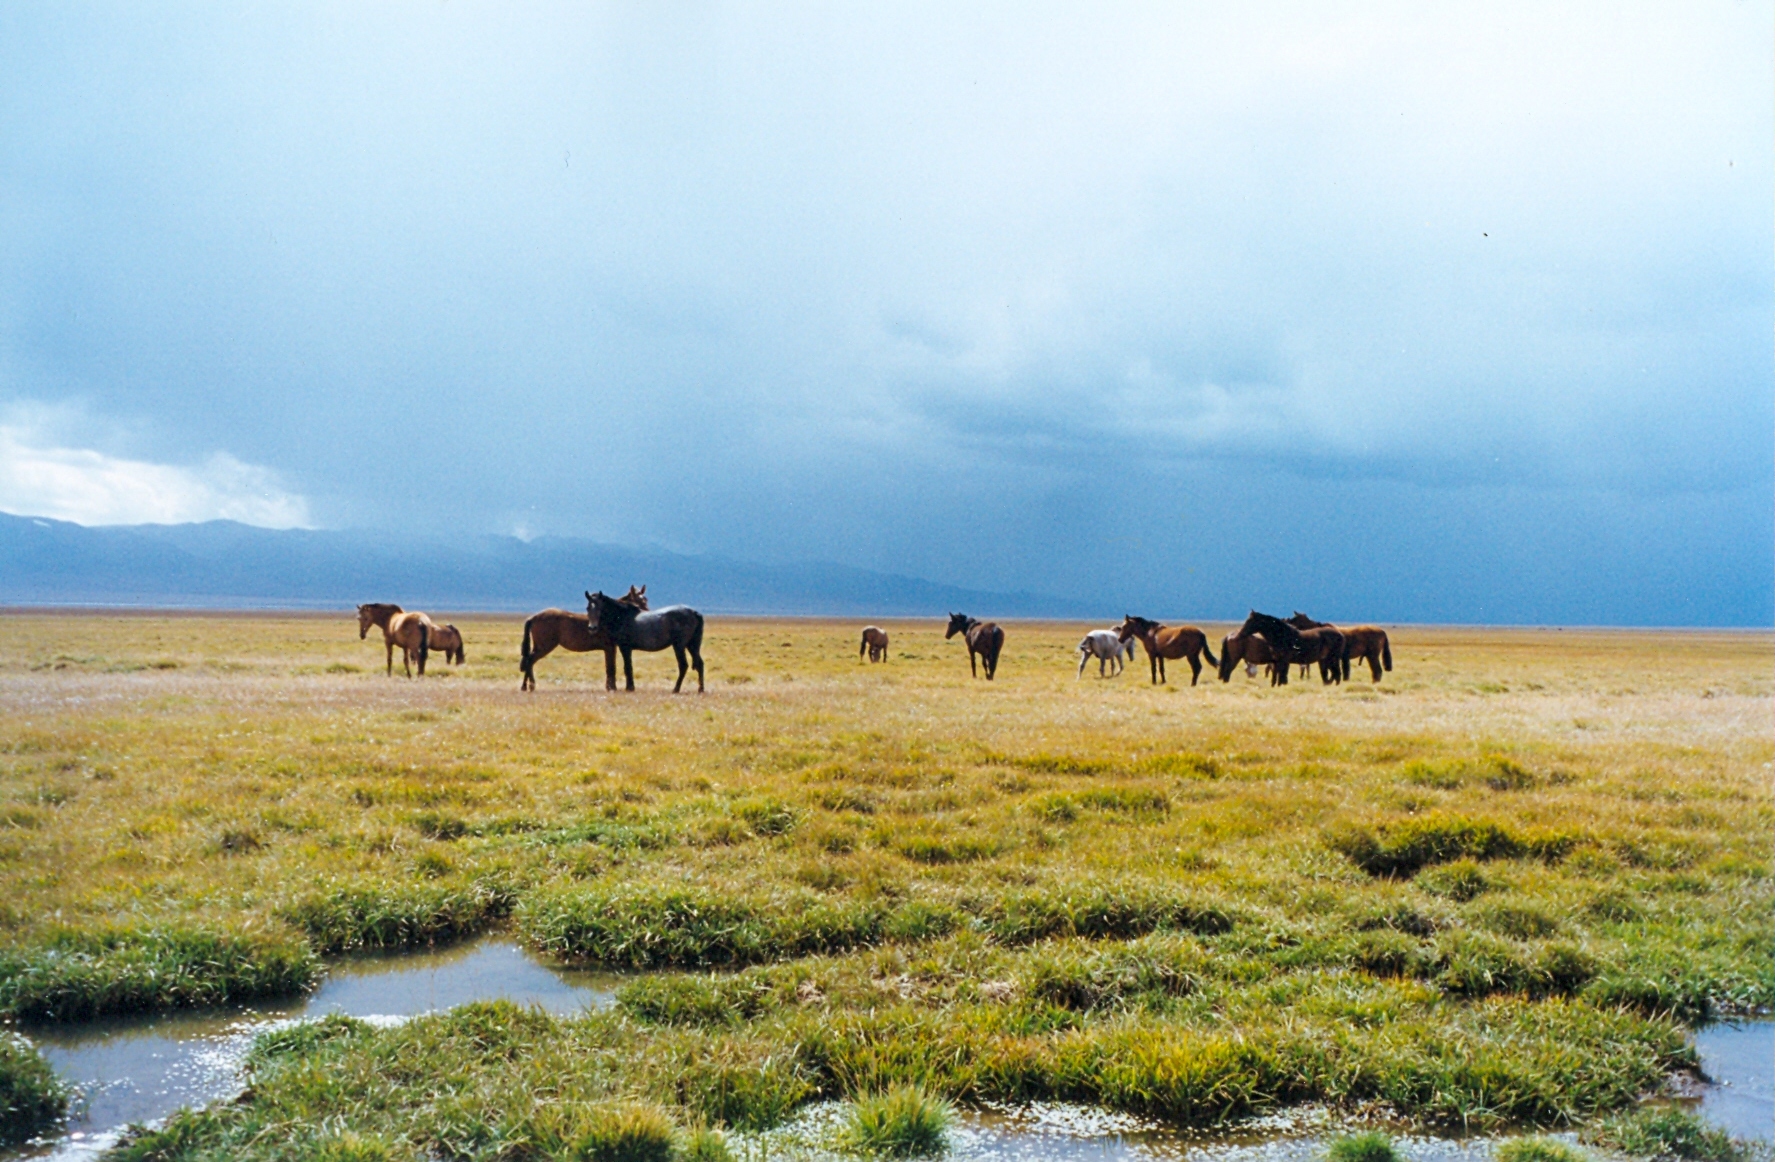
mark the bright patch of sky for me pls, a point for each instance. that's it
(1342, 306)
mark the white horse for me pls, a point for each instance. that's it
(1105, 646)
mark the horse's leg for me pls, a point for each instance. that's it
(696, 659)
(976, 673)
(678, 652)
(609, 667)
(1195, 667)
(1160, 658)
(389, 642)
(628, 668)
(1083, 658)
(1374, 665)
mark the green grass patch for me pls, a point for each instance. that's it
(1404, 848)
(904, 1122)
(1666, 1132)
(81, 974)
(1372, 1146)
(370, 917)
(32, 1098)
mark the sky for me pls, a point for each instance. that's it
(1460, 313)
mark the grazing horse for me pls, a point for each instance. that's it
(552, 628)
(1250, 648)
(874, 644)
(449, 639)
(1163, 641)
(410, 631)
(1368, 642)
(1323, 645)
(677, 626)
(984, 639)
(1105, 646)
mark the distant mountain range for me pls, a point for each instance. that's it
(224, 565)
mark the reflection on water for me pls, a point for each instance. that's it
(140, 1069)
(1061, 1132)
(1739, 1059)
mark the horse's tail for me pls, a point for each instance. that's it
(1386, 653)
(461, 654)
(696, 637)
(526, 656)
(424, 644)
(863, 648)
(1208, 652)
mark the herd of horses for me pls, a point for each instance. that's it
(625, 624)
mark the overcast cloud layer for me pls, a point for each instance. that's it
(1452, 314)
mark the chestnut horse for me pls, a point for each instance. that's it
(984, 639)
(410, 631)
(1368, 642)
(449, 639)
(1163, 641)
(874, 643)
(556, 628)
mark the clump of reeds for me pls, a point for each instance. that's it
(1537, 1149)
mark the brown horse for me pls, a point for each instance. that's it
(1290, 645)
(1367, 642)
(410, 631)
(985, 639)
(1250, 648)
(874, 644)
(1164, 641)
(557, 628)
(449, 639)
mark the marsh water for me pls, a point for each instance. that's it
(140, 1070)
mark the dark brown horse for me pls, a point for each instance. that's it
(875, 642)
(410, 631)
(556, 628)
(1367, 642)
(1291, 646)
(676, 626)
(448, 639)
(1165, 641)
(985, 639)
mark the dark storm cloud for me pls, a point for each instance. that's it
(1491, 284)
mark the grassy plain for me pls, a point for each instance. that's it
(1489, 890)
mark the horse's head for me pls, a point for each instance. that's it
(1227, 659)
(1131, 627)
(958, 623)
(635, 597)
(1282, 637)
(607, 612)
(373, 613)
(1302, 621)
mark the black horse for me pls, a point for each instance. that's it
(984, 638)
(677, 626)
(1290, 646)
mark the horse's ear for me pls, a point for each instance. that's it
(641, 592)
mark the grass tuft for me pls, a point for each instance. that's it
(904, 1122)
(1537, 1150)
(32, 1097)
(1666, 1132)
(77, 975)
(1372, 1146)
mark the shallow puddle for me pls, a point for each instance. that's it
(141, 1069)
(1739, 1060)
